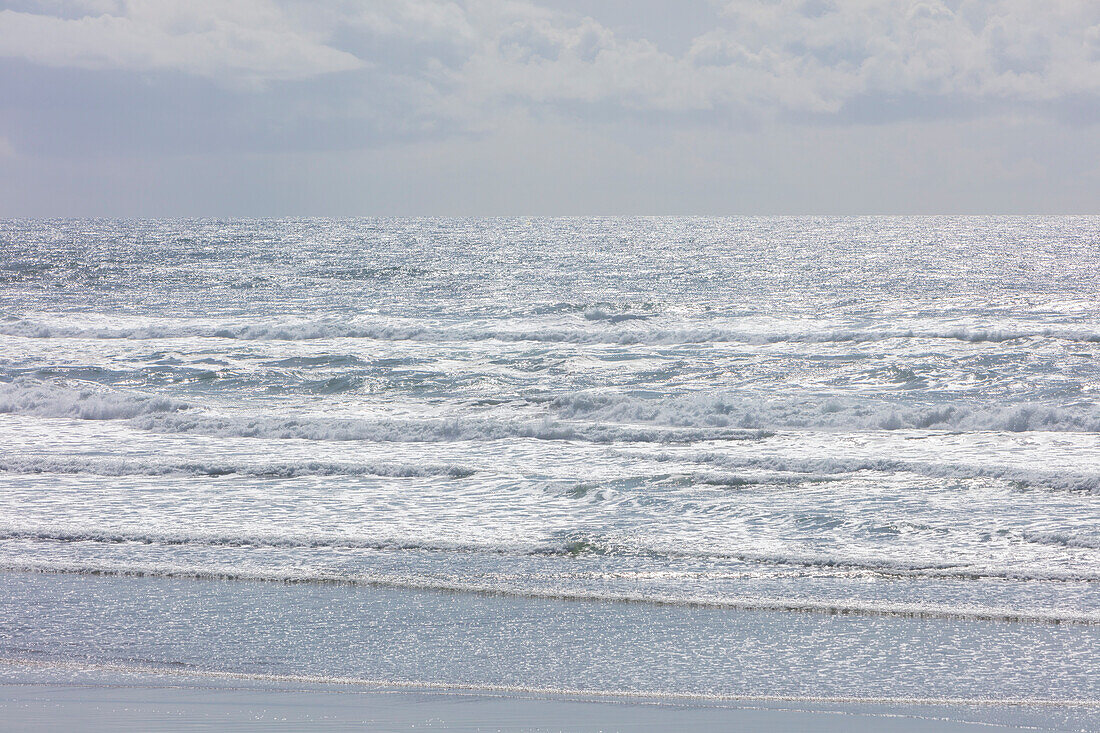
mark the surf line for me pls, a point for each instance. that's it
(578, 692)
(430, 585)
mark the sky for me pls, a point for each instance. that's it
(548, 107)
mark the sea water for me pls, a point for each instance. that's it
(846, 456)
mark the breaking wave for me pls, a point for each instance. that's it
(433, 430)
(707, 409)
(24, 396)
(598, 417)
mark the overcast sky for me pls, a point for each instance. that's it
(440, 107)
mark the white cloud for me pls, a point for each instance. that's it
(785, 55)
(443, 21)
(465, 60)
(242, 41)
(1016, 50)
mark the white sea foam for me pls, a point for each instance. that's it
(26, 396)
(1063, 539)
(671, 420)
(597, 416)
(711, 409)
(432, 430)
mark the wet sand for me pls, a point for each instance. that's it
(187, 706)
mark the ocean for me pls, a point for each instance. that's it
(806, 458)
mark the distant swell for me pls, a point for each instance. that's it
(793, 605)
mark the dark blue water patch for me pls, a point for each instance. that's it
(401, 361)
(389, 272)
(98, 375)
(128, 379)
(555, 308)
(161, 358)
(322, 360)
(614, 318)
(27, 272)
(174, 375)
(334, 385)
(249, 283)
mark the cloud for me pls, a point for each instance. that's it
(466, 60)
(766, 58)
(250, 41)
(1017, 50)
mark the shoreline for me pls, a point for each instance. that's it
(426, 686)
(869, 609)
(64, 627)
(41, 695)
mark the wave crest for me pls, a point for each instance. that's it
(597, 324)
(24, 396)
(433, 430)
(711, 410)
